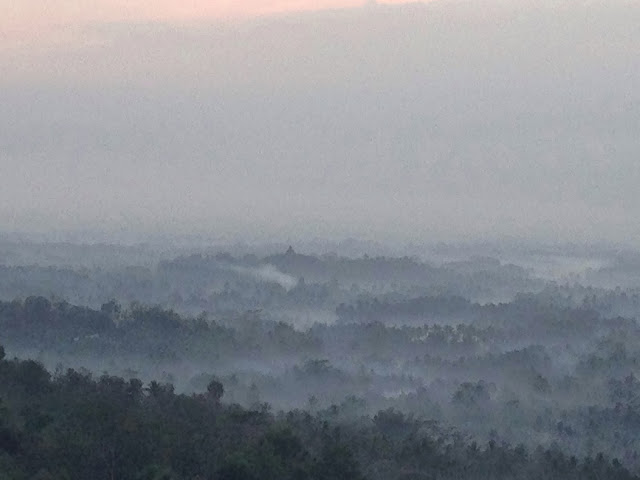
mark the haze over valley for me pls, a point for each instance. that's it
(295, 240)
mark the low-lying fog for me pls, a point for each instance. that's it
(496, 347)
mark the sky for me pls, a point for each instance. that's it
(25, 18)
(449, 120)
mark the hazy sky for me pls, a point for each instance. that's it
(27, 20)
(448, 120)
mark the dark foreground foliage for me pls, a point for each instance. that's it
(70, 426)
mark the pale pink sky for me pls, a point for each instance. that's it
(38, 12)
(34, 20)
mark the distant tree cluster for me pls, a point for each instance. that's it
(531, 372)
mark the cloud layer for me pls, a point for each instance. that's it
(422, 121)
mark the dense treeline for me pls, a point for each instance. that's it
(524, 372)
(222, 283)
(485, 348)
(284, 285)
(71, 425)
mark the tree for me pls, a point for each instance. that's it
(33, 377)
(236, 469)
(215, 390)
(336, 463)
(112, 308)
